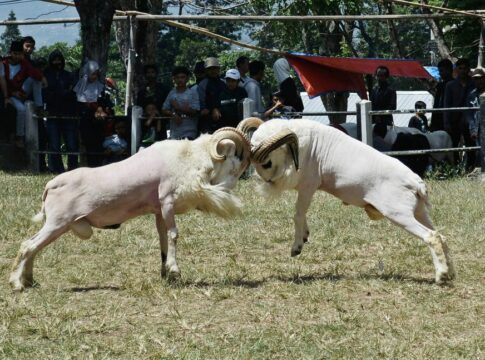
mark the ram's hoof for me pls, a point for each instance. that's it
(296, 251)
(444, 277)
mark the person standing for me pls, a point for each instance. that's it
(182, 105)
(383, 97)
(473, 100)
(93, 107)
(445, 68)
(242, 65)
(456, 95)
(253, 84)
(209, 91)
(227, 112)
(60, 102)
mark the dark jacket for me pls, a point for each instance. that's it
(58, 95)
(152, 95)
(228, 106)
(439, 103)
(383, 98)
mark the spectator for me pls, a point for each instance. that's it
(153, 129)
(7, 112)
(19, 75)
(182, 105)
(153, 92)
(456, 95)
(478, 76)
(253, 86)
(116, 146)
(60, 102)
(199, 73)
(209, 91)
(287, 86)
(419, 120)
(383, 97)
(242, 65)
(278, 105)
(445, 68)
(227, 113)
(93, 107)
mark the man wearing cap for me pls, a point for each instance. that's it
(227, 110)
(473, 116)
(209, 91)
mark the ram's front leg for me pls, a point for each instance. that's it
(168, 215)
(301, 228)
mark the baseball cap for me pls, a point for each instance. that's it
(233, 74)
(211, 62)
(478, 73)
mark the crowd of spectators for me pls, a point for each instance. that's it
(78, 109)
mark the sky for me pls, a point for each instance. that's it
(43, 34)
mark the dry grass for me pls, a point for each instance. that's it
(359, 289)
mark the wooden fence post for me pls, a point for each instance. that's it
(32, 137)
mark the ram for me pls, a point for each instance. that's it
(168, 178)
(307, 156)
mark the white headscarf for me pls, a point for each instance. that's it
(281, 69)
(86, 91)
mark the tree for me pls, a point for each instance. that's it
(96, 18)
(11, 33)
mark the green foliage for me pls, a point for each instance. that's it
(11, 33)
(72, 54)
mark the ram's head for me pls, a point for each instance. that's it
(274, 151)
(230, 152)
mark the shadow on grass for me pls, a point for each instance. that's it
(93, 288)
(305, 279)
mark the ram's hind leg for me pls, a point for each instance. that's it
(22, 270)
(402, 213)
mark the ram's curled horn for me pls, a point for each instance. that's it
(249, 125)
(243, 150)
(285, 136)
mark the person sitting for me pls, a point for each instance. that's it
(116, 146)
(93, 107)
(182, 105)
(419, 120)
(226, 112)
(287, 85)
(278, 106)
(19, 73)
(153, 129)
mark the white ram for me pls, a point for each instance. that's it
(168, 178)
(307, 156)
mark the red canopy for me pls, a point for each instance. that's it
(320, 74)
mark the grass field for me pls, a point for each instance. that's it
(359, 290)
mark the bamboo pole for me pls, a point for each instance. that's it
(244, 18)
(479, 15)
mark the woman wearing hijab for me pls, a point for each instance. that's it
(287, 86)
(93, 106)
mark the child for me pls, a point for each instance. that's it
(419, 120)
(116, 146)
(182, 105)
(153, 129)
(278, 105)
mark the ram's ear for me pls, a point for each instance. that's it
(227, 148)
